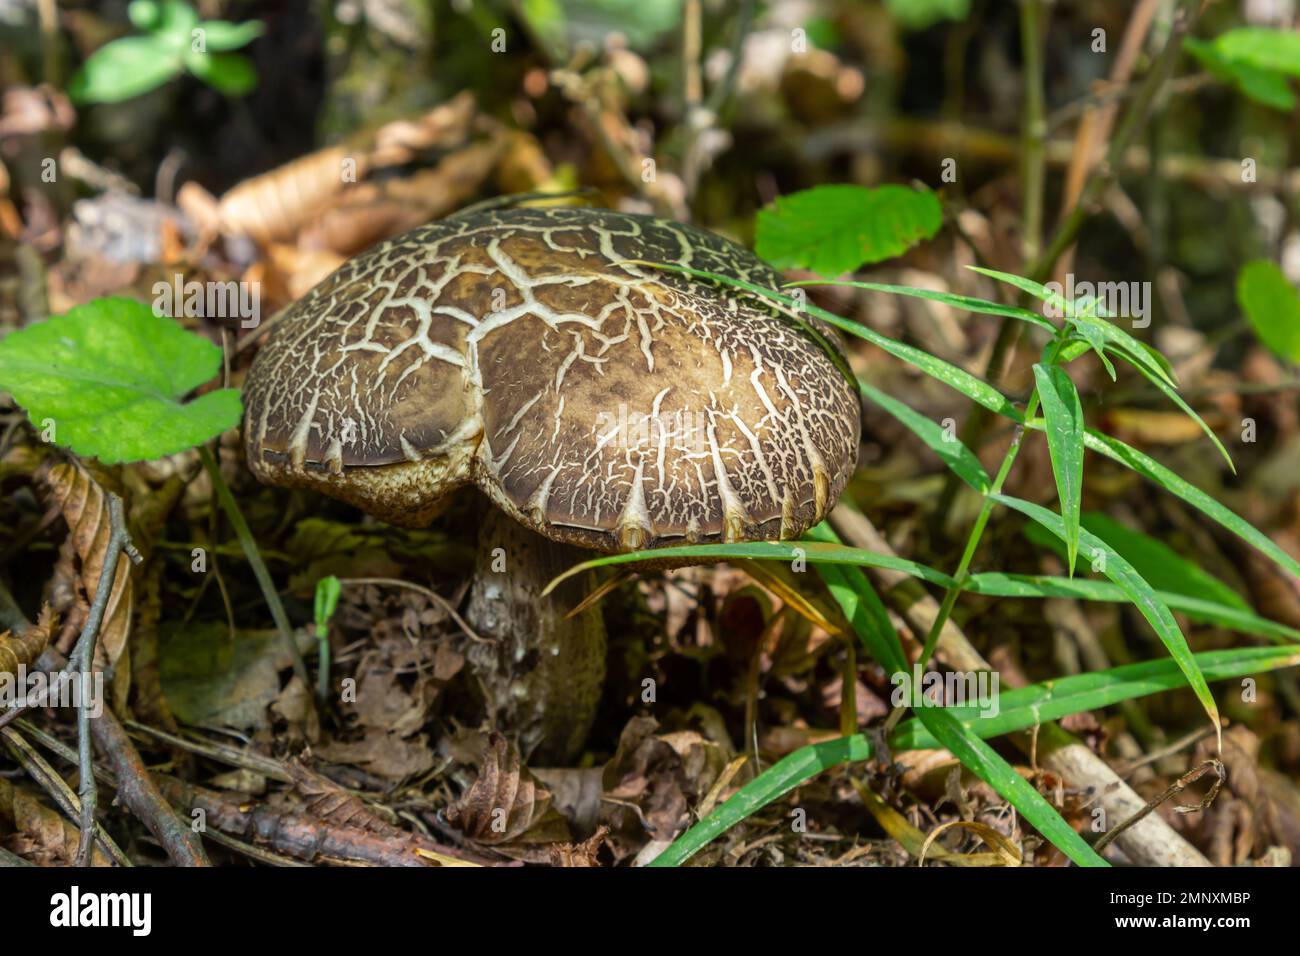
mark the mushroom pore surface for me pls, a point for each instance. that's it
(609, 405)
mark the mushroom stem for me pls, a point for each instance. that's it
(541, 675)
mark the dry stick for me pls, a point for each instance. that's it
(249, 544)
(83, 664)
(109, 780)
(1175, 788)
(138, 793)
(40, 771)
(1151, 843)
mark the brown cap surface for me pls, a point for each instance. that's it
(601, 403)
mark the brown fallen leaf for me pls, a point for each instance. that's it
(38, 833)
(506, 808)
(23, 648)
(85, 509)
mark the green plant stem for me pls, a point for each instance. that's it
(249, 544)
(972, 431)
(1034, 126)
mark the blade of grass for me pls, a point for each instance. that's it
(1063, 417)
(813, 552)
(999, 584)
(951, 450)
(1153, 471)
(976, 389)
(1139, 592)
(965, 303)
(1020, 709)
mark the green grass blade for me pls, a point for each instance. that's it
(777, 780)
(1063, 418)
(999, 584)
(950, 449)
(1020, 709)
(1139, 592)
(1173, 483)
(976, 389)
(965, 303)
(814, 552)
(862, 606)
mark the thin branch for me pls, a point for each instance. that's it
(83, 664)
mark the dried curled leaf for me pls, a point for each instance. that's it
(85, 508)
(21, 649)
(38, 833)
(274, 206)
(506, 808)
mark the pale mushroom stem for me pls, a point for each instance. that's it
(541, 676)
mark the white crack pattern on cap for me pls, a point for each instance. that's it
(599, 402)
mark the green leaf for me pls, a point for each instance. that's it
(1139, 592)
(813, 552)
(110, 376)
(326, 601)
(1273, 307)
(1163, 567)
(1019, 709)
(219, 35)
(867, 614)
(1262, 86)
(228, 73)
(122, 69)
(175, 26)
(1266, 49)
(954, 453)
(1063, 417)
(1175, 484)
(837, 229)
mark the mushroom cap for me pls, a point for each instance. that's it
(598, 402)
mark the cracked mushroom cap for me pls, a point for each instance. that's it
(599, 403)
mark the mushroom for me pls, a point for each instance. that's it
(598, 403)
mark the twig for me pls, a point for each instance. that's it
(83, 663)
(40, 771)
(432, 595)
(1175, 788)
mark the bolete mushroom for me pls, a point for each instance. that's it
(597, 402)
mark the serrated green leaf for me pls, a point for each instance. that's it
(110, 375)
(1139, 592)
(1273, 307)
(1063, 415)
(123, 69)
(1262, 86)
(1266, 49)
(837, 229)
